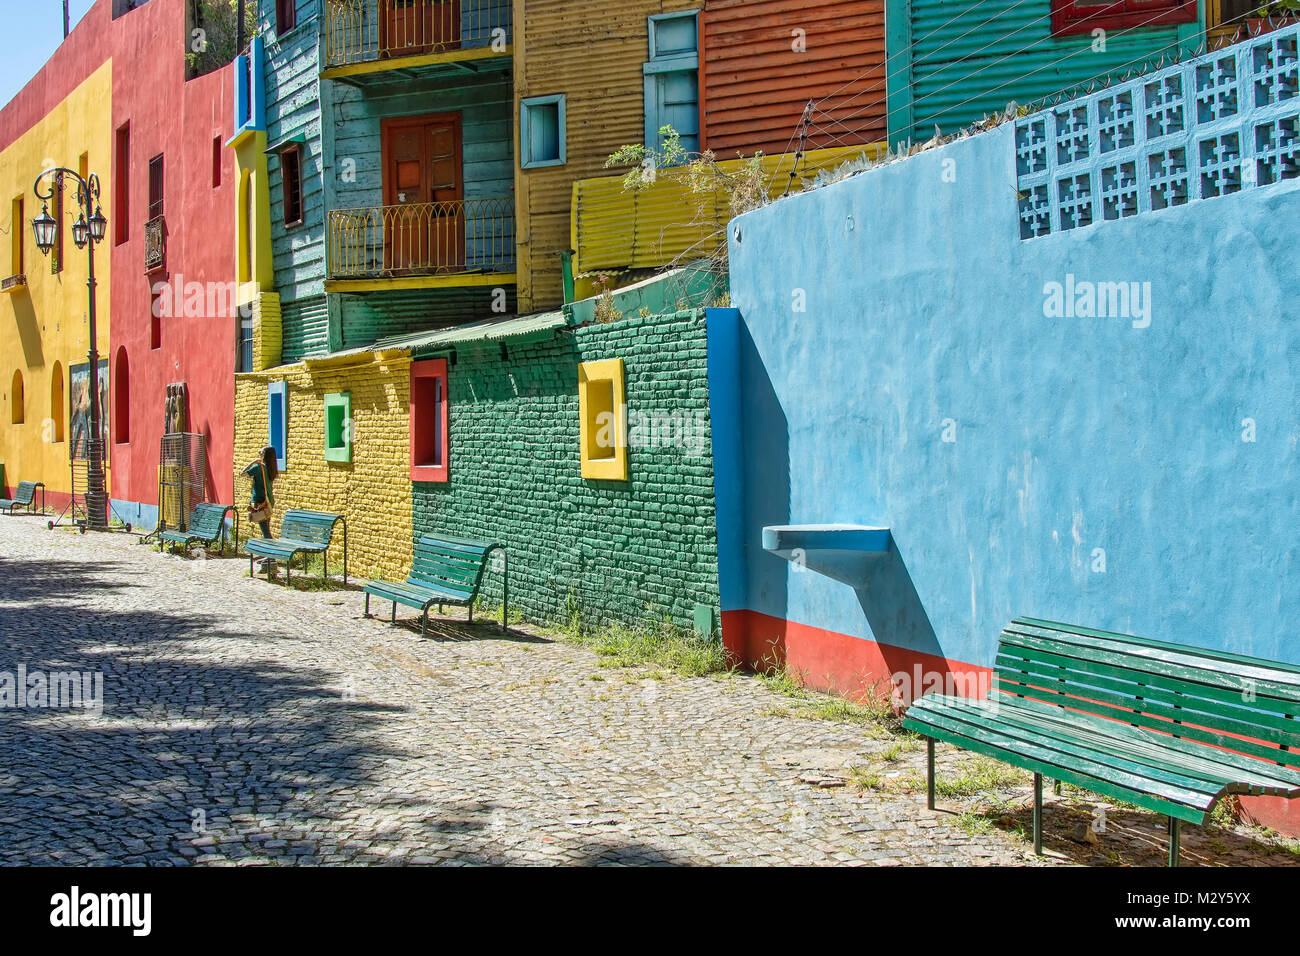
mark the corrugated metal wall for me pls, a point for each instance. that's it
(374, 315)
(763, 60)
(305, 328)
(971, 59)
(593, 54)
(615, 228)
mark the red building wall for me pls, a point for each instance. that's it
(761, 61)
(181, 120)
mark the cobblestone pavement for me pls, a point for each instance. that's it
(248, 723)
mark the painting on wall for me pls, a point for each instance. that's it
(79, 416)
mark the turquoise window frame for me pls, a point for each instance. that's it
(657, 64)
(277, 392)
(343, 401)
(525, 140)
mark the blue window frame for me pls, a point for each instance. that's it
(277, 422)
(672, 79)
(541, 131)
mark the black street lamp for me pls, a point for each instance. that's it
(89, 230)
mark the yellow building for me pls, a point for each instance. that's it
(43, 310)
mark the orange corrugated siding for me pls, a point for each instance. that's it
(754, 84)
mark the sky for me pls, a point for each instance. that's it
(33, 30)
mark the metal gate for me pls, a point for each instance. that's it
(182, 484)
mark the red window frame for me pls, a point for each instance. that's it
(1075, 16)
(428, 427)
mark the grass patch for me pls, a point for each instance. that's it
(875, 714)
(977, 775)
(672, 649)
(974, 824)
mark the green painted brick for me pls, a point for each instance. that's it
(623, 551)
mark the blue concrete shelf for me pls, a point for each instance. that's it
(844, 552)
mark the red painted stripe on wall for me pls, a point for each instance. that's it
(855, 667)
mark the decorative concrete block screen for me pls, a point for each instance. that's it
(1226, 121)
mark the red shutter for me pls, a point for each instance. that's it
(1084, 16)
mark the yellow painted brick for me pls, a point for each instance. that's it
(373, 491)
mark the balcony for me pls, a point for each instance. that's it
(368, 36)
(422, 245)
(155, 244)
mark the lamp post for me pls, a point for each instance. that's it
(87, 232)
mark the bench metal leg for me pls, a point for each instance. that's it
(393, 619)
(1038, 814)
(367, 612)
(471, 610)
(424, 623)
(1174, 825)
(505, 588)
(929, 773)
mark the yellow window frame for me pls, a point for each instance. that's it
(602, 404)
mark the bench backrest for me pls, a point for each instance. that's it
(24, 493)
(312, 527)
(206, 520)
(1212, 697)
(451, 563)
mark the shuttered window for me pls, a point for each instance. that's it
(1084, 16)
(541, 131)
(672, 84)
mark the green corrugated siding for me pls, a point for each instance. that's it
(305, 328)
(959, 79)
(370, 316)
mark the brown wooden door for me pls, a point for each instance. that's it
(424, 217)
(413, 27)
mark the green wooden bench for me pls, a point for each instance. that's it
(1167, 727)
(207, 523)
(24, 497)
(443, 571)
(301, 532)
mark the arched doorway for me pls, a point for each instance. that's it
(17, 401)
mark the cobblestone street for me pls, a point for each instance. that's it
(245, 722)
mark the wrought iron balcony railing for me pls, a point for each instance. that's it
(362, 31)
(469, 235)
(155, 244)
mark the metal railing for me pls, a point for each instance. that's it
(469, 235)
(155, 244)
(360, 31)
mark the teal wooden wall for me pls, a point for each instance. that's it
(295, 100)
(483, 99)
(953, 62)
(369, 316)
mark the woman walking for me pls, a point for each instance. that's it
(263, 472)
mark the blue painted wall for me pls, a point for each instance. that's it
(925, 320)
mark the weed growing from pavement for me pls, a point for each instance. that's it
(660, 642)
(875, 714)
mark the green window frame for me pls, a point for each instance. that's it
(338, 426)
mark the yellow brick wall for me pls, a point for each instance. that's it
(373, 491)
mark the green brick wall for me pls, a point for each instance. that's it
(621, 550)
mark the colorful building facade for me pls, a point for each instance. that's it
(1043, 401)
(115, 102)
